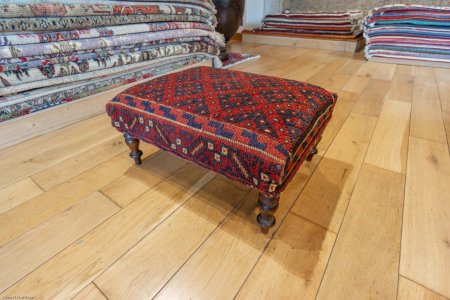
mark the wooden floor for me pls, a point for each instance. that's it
(368, 218)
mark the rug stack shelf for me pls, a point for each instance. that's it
(338, 31)
(60, 60)
(409, 34)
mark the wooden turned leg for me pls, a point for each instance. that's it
(133, 144)
(267, 206)
(314, 151)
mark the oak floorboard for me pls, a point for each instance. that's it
(365, 259)
(444, 95)
(356, 84)
(31, 213)
(388, 147)
(134, 184)
(34, 155)
(67, 273)
(152, 262)
(426, 115)
(330, 76)
(425, 253)
(220, 266)
(293, 263)
(384, 71)
(71, 167)
(425, 76)
(402, 85)
(36, 246)
(344, 105)
(91, 292)
(372, 98)
(326, 196)
(409, 290)
(17, 193)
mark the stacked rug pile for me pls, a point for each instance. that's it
(337, 25)
(413, 33)
(57, 51)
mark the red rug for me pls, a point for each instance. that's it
(237, 58)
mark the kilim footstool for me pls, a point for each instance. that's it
(254, 129)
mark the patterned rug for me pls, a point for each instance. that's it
(238, 58)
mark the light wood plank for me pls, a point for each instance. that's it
(371, 100)
(222, 263)
(303, 72)
(293, 263)
(150, 264)
(404, 70)
(368, 69)
(34, 155)
(46, 205)
(36, 246)
(91, 292)
(402, 84)
(444, 95)
(425, 76)
(409, 290)
(351, 66)
(17, 193)
(442, 74)
(71, 167)
(356, 84)
(69, 271)
(325, 197)
(388, 148)
(330, 77)
(134, 184)
(384, 71)
(344, 105)
(365, 259)
(425, 256)
(426, 116)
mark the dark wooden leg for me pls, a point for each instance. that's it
(133, 144)
(267, 206)
(314, 151)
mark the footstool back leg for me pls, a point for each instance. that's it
(133, 144)
(314, 150)
(267, 206)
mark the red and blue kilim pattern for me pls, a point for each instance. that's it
(251, 128)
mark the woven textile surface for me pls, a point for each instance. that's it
(411, 32)
(365, 5)
(49, 47)
(251, 128)
(342, 25)
(237, 58)
(25, 103)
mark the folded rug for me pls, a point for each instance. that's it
(56, 51)
(409, 32)
(314, 24)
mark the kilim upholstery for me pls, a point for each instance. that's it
(254, 129)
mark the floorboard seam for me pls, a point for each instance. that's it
(275, 231)
(348, 204)
(202, 243)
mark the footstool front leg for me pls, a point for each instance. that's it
(133, 144)
(267, 206)
(314, 150)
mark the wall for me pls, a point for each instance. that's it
(352, 4)
(255, 10)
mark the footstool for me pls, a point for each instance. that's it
(253, 129)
